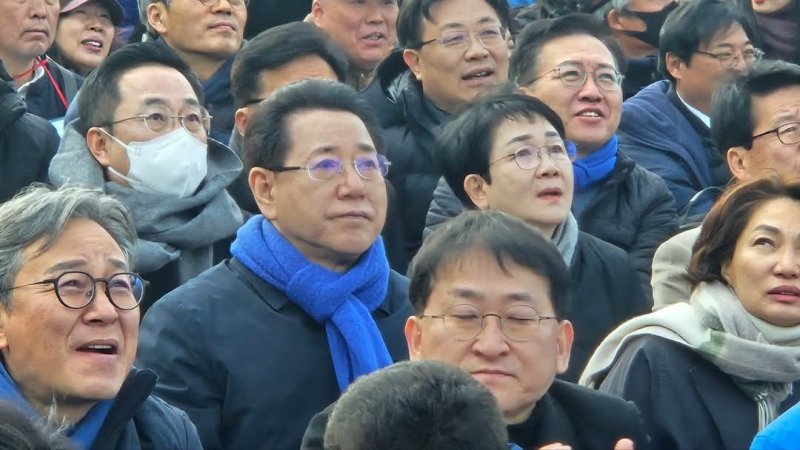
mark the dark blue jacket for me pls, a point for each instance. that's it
(27, 142)
(42, 98)
(219, 101)
(138, 420)
(664, 137)
(249, 366)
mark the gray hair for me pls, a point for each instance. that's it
(143, 4)
(40, 212)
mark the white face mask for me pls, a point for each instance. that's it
(173, 164)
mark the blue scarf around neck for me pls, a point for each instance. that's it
(342, 302)
(596, 166)
(82, 434)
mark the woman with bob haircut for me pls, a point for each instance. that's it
(713, 372)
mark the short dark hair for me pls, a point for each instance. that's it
(413, 12)
(266, 140)
(733, 123)
(277, 47)
(523, 64)
(416, 405)
(497, 234)
(465, 144)
(695, 23)
(100, 94)
(727, 220)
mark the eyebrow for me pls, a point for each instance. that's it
(601, 65)
(783, 118)
(362, 146)
(161, 102)
(473, 294)
(529, 137)
(75, 264)
(482, 21)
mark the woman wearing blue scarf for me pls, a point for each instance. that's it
(69, 323)
(308, 303)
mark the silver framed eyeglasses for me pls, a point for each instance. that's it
(788, 133)
(529, 158)
(489, 37)
(465, 322)
(235, 4)
(158, 121)
(76, 289)
(728, 60)
(574, 75)
(327, 168)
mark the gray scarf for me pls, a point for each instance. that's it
(762, 359)
(565, 237)
(169, 229)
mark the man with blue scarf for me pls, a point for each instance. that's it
(69, 318)
(252, 348)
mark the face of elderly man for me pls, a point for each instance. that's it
(27, 29)
(333, 221)
(70, 357)
(518, 372)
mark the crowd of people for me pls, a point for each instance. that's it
(400, 224)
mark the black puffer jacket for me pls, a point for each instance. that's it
(632, 209)
(410, 125)
(27, 142)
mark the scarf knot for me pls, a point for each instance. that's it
(341, 302)
(596, 166)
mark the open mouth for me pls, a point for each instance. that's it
(92, 43)
(477, 75)
(377, 36)
(550, 193)
(590, 113)
(103, 349)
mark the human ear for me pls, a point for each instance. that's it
(412, 60)
(98, 143)
(738, 163)
(264, 188)
(566, 335)
(475, 187)
(155, 17)
(240, 120)
(413, 332)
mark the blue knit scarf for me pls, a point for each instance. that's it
(596, 166)
(341, 301)
(83, 433)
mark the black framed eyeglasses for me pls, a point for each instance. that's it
(465, 322)
(788, 133)
(459, 40)
(575, 75)
(728, 60)
(529, 158)
(235, 4)
(76, 289)
(327, 168)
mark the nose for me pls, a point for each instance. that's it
(590, 90)
(547, 167)
(491, 342)
(476, 49)
(788, 266)
(223, 6)
(100, 310)
(374, 15)
(351, 184)
(38, 8)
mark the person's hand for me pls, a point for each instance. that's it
(622, 444)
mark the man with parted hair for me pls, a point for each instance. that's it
(757, 120)
(416, 405)
(142, 137)
(255, 346)
(206, 34)
(453, 51)
(666, 127)
(491, 295)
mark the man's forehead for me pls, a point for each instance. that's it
(577, 48)
(777, 107)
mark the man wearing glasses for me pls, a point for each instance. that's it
(757, 119)
(666, 126)
(206, 34)
(69, 324)
(255, 346)
(491, 295)
(142, 138)
(453, 51)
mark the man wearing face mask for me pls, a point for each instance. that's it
(142, 137)
(635, 25)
